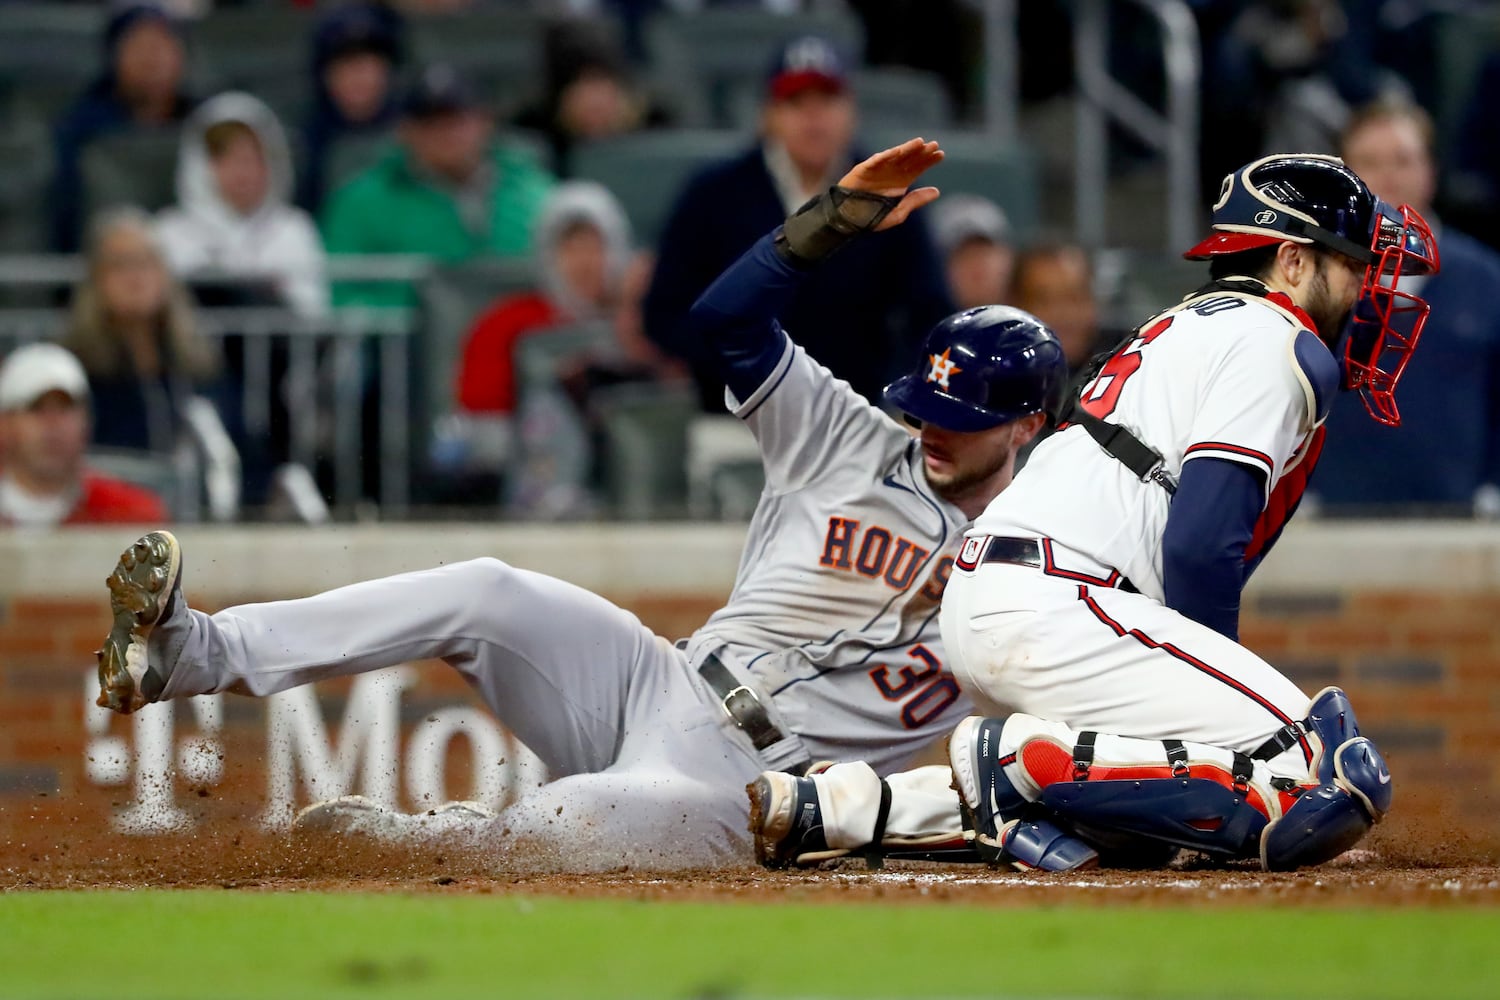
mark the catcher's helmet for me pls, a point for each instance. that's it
(983, 367)
(1306, 198)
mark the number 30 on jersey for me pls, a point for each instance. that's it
(924, 688)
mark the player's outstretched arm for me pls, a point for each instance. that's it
(874, 196)
(735, 316)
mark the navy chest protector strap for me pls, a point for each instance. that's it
(1144, 461)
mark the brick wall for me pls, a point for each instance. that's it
(1421, 662)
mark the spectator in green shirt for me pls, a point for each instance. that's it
(448, 190)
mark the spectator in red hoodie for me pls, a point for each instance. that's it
(44, 430)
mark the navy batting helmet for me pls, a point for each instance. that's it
(983, 367)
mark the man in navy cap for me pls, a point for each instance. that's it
(856, 314)
(448, 190)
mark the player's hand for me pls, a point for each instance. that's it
(891, 172)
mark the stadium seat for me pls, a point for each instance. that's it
(130, 168)
(449, 301)
(977, 164)
(26, 156)
(1465, 38)
(645, 439)
(716, 51)
(176, 485)
(261, 48)
(51, 42)
(499, 49)
(648, 170)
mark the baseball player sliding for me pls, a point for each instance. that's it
(1098, 596)
(828, 647)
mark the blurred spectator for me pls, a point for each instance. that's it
(973, 235)
(864, 311)
(133, 329)
(944, 37)
(588, 273)
(357, 49)
(1448, 444)
(584, 258)
(448, 191)
(1475, 177)
(1286, 75)
(589, 95)
(1054, 281)
(142, 87)
(234, 180)
(44, 430)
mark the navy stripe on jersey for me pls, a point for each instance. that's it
(1192, 661)
(772, 381)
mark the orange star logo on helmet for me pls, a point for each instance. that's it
(942, 368)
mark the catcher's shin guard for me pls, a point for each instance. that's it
(1138, 798)
(1007, 828)
(1353, 795)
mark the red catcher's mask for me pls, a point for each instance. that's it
(1387, 322)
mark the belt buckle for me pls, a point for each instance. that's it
(744, 690)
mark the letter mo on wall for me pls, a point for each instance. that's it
(363, 756)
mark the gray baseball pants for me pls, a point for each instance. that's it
(650, 772)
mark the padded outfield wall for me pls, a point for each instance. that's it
(1406, 616)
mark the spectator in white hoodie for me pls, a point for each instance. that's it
(234, 215)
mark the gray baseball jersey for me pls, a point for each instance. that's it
(834, 610)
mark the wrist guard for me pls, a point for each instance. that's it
(816, 230)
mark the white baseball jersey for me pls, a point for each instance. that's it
(1224, 375)
(834, 611)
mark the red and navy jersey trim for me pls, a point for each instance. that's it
(1050, 567)
(1194, 662)
(1224, 447)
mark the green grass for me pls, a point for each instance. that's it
(165, 944)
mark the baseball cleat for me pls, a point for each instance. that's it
(993, 808)
(143, 586)
(357, 816)
(787, 822)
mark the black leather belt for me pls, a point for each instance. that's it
(1028, 552)
(1020, 551)
(743, 705)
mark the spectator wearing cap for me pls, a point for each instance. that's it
(357, 50)
(448, 191)
(1054, 281)
(141, 88)
(1447, 449)
(862, 313)
(973, 236)
(44, 431)
(590, 94)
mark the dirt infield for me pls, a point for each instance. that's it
(1401, 864)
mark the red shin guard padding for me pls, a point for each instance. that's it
(1048, 762)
